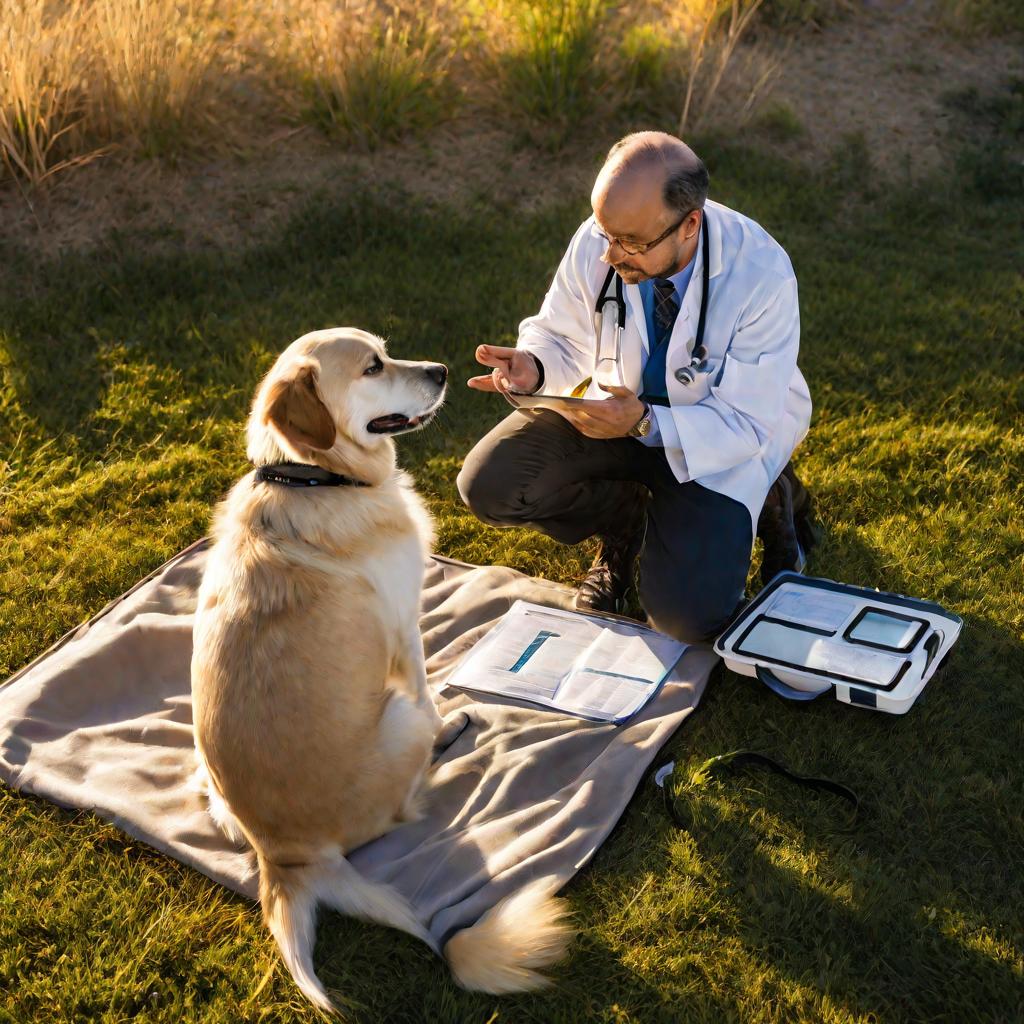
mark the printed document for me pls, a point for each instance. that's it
(584, 665)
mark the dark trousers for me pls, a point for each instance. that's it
(537, 470)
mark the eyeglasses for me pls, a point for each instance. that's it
(637, 250)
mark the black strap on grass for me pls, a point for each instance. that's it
(751, 758)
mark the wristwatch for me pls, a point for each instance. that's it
(642, 427)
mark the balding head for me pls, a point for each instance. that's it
(649, 182)
(653, 161)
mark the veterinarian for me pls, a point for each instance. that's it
(684, 457)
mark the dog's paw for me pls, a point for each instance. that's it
(199, 780)
(413, 808)
(449, 733)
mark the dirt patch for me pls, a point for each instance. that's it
(227, 202)
(880, 73)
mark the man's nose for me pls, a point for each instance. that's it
(438, 373)
(605, 257)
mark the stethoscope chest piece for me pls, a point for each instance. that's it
(688, 374)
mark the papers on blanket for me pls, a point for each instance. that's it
(584, 665)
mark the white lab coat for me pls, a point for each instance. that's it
(735, 427)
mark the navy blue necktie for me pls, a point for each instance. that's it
(666, 309)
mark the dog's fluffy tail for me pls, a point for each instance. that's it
(505, 949)
(503, 952)
(289, 896)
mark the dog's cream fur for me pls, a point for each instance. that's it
(314, 723)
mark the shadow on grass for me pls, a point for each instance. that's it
(890, 308)
(895, 917)
(377, 261)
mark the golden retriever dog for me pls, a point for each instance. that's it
(314, 724)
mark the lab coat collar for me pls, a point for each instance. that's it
(714, 238)
(690, 309)
(635, 302)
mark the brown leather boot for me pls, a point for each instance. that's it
(608, 580)
(786, 526)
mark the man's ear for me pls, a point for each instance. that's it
(295, 408)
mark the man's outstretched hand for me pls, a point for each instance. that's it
(514, 370)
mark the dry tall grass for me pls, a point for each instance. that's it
(373, 75)
(158, 77)
(42, 95)
(677, 58)
(154, 70)
(714, 29)
(549, 61)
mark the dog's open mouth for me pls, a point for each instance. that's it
(396, 423)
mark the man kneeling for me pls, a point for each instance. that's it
(679, 317)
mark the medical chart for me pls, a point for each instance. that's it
(584, 665)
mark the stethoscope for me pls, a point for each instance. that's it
(698, 357)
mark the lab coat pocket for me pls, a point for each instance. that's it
(756, 390)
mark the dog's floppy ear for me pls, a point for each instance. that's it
(295, 408)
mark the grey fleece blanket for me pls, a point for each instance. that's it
(103, 721)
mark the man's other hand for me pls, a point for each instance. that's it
(514, 370)
(609, 417)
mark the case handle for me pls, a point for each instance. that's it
(773, 682)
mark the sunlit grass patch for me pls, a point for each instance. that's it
(78, 80)
(173, 78)
(546, 58)
(651, 68)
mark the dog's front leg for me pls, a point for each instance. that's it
(415, 672)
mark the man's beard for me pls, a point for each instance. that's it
(668, 270)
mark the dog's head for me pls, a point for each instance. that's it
(335, 398)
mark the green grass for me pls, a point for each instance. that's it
(388, 82)
(126, 379)
(550, 76)
(985, 17)
(780, 123)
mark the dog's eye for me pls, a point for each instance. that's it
(375, 367)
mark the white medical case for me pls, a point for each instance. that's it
(803, 637)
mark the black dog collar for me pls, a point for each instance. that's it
(299, 474)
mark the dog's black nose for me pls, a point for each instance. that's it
(438, 373)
